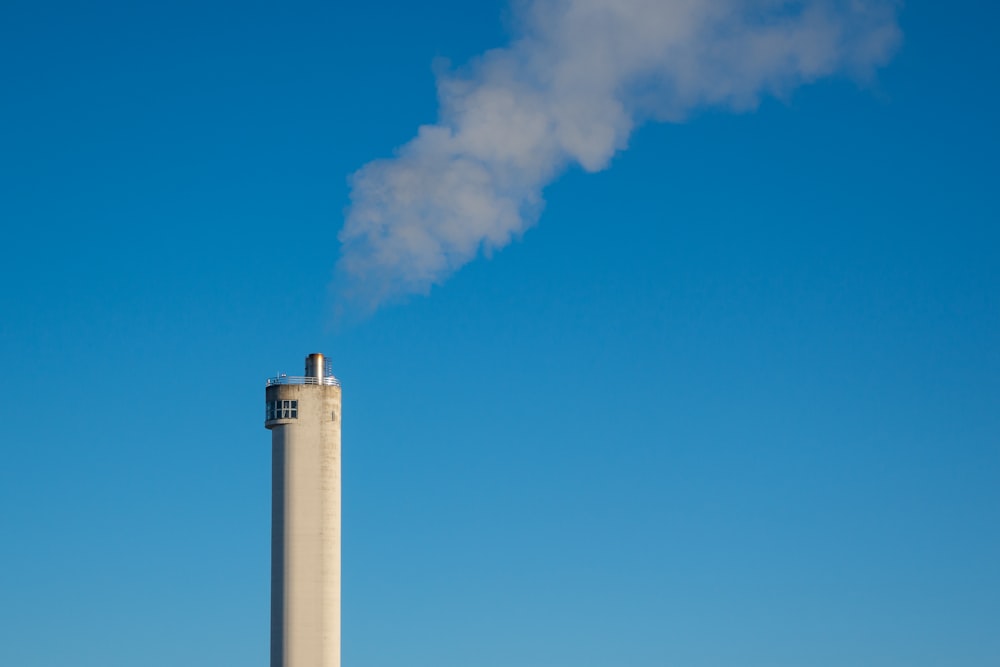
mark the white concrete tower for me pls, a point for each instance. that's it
(303, 414)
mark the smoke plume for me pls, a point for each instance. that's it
(575, 81)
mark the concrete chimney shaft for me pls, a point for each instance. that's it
(303, 415)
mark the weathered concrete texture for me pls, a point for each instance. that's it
(305, 528)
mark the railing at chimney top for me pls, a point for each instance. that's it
(329, 380)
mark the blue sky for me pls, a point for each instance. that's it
(733, 401)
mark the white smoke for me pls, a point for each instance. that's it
(570, 88)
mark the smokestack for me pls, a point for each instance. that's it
(314, 366)
(303, 415)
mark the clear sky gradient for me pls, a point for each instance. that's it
(733, 402)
